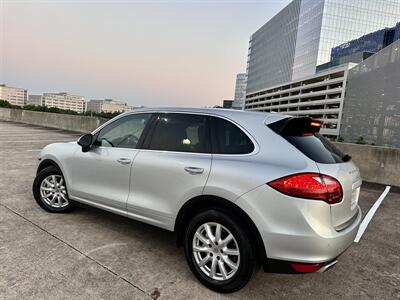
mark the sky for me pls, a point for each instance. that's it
(150, 53)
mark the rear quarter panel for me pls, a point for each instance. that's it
(233, 175)
(349, 177)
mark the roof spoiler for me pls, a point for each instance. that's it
(296, 126)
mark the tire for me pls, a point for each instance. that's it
(246, 262)
(61, 202)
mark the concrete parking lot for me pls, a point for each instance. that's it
(91, 254)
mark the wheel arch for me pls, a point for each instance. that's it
(47, 163)
(200, 203)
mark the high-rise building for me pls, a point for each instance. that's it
(64, 101)
(272, 48)
(240, 90)
(372, 102)
(300, 37)
(363, 47)
(14, 95)
(107, 106)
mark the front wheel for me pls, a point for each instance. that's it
(50, 190)
(219, 252)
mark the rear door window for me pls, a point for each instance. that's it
(229, 138)
(180, 132)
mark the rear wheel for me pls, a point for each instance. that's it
(219, 251)
(50, 190)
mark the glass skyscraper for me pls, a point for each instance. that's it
(357, 50)
(372, 42)
(302, 35)
(272, 48)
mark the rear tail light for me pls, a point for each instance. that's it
(305, 268)
(310, 186)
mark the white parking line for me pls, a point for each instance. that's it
(370, 214)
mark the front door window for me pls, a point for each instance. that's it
(125, 132)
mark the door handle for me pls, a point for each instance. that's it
(193, 170)
(124, 161)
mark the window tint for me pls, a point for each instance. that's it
(318, 148)
(180, 132)
(302, 132)
(230, 139)
(124, 132)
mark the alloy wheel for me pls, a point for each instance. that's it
(53, 191)
(216, 251)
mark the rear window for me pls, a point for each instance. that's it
(302, 132)
(229, 139)
(318, 148)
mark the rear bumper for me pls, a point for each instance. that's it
(297, 230)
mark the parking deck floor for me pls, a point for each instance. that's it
(92, 254)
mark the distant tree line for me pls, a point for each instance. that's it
(6, 104)
(107, 115)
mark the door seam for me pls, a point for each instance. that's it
(209, 174)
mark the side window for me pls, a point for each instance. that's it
(230, 139)
(180, 132)
(124, 132)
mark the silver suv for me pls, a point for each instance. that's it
(239, 189)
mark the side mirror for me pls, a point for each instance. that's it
(85, 141)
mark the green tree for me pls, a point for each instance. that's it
(102, 114)
(6, 104)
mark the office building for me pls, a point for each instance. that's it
(356, 58)
(14, 95)
(240, 91)
(300, 37)
(35, 100)
(372, 102)
(272, 48)
(319, 96)
(361, 48)
(64, 101)
(107, 106)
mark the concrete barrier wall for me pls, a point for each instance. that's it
(377, 164)
(76, 123)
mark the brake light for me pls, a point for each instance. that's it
(315, 124)
(310, 186)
